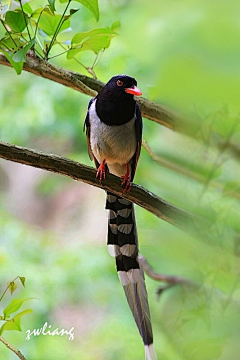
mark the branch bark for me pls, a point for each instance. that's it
(88, 86)
(12, 348)
(77, 171)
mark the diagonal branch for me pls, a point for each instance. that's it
(77, 171)
(88, 86)
(12, 348)
(91, 87)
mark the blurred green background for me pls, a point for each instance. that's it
(185, 57)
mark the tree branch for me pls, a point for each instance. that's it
(88, 86)
(172, 280)
(91, 87)
(77, 171)
(12, 348)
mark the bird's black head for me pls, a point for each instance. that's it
(122, 85)
(115, 103)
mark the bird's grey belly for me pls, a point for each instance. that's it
(114, 144)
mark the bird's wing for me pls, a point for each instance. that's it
(138, 129)
(86, 127)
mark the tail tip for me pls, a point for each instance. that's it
(150, 353)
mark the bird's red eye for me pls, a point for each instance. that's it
(119, 83)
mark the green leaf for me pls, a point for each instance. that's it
(15, 323)
(12, 287)
(9, 325)
(94, 40)
(11, 42)
(14, 305)
(27, 8)
(71, 53)
(116, 25)
(22, 279)
(92, 5)
(16, 21)
(52, 4)
(96, 33)
(17, 66)
(16, 5)
(37, 13)
(49, 23)
(20, 55)
(17, 318)
(73, 11)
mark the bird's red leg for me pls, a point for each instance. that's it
(126, 180)
(101, 172)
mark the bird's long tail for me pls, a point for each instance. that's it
(123, 245)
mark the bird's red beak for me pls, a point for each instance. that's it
(134, 91)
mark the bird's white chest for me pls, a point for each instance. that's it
(114, 144)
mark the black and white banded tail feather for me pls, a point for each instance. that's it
(123, 245)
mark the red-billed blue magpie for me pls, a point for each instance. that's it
(114, 133)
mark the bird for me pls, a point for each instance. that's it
(113, 127)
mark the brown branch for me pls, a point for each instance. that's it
(12, 348)
(91, 87)
(176, 280)
(172, 280)
(88, 86)
(77, 171)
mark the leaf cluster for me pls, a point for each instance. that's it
(42, 28)
(13, 323)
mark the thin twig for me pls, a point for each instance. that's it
(25, 19)
(54, 56)
(160, 277)
(58, 29)
(18, 277)
(171, 165)
(79, 62)
(180, 169)
(9, 33)
(35, 33)
(12, 348)
(4, 49)
(74, 58)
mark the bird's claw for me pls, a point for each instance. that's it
(126, 182)
(101, 172)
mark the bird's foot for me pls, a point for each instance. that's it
(101, 172)
(126, 182)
